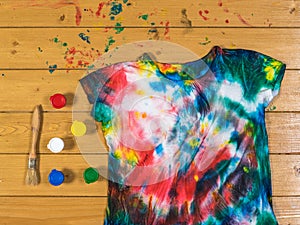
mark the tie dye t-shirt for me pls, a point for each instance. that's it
(187, 142)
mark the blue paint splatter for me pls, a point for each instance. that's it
(159, 149)
(116, 9)
(84, 37)
(52, 68)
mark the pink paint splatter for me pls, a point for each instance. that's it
(242, 19)
(203, 17)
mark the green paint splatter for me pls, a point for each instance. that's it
(144, 17)
(125, 1)
(110, 41)
(118, 28)
(246, 169)
(65, 44)
(272, 108)
(152, 23)
(55, 40)
(205, 42)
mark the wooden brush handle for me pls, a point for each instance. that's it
(36, 126)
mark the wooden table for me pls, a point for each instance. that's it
(43, 52)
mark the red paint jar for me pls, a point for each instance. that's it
(58, 101)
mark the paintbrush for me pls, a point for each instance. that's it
(32, 173)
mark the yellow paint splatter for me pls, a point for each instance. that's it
(118, 154)
(132, 157)
(196, 178)
(270, 73)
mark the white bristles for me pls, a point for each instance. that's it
(31, 177)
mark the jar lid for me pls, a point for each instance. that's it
(56, 145)
(78, 128)
(56, 177)
(91, 175)
(58, 101)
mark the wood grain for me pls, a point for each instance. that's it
(285, 170)
(91, 210)
(14, 167)
(21, 90)
(15, 133)
(42, 13)
(35, 48)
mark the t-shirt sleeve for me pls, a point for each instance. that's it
(259, 75)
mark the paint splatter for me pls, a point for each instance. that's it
(3, 75)
(110, 41)
(227, 21)
(242, 19)
(144, 17)
(272, 108)
(15, 43)
(220, 3)
(116, 8)
(84, 38)
(39, 49)
(125, 1)
(292, 10)
(118, 28)
(153, 34)
(207, 41)
(203, 17)
(184, 19)
(167, 30)
(100, 7)
(56, 40)
(76, 58)
(62, 17)
(54, 5)
(52, 68)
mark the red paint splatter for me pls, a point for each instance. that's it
(167, 30)
(226, 21)
(206, 11)
(226, 10)
(242, 19)
(100, 7)
(76, 58)
(201, 14)
(78, 16)
(54, 5)
(220, 3)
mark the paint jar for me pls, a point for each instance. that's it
(78, 128)
(56, 145)
(56, 177)
(90, 175)
(58, 101)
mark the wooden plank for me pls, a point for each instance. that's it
(13, 169)
(15, 133)
(23, 89)
(26, 48)
(287, 210)
(54, 211)
(285, 170)
(90, 210)
(283, 132)
(285, 174)
(214, 13)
